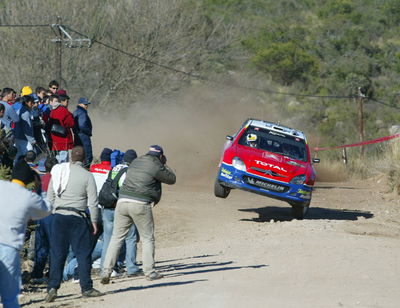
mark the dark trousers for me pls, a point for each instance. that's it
(75, 231)
(42, 246)
(84, 140)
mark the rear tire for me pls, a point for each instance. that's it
(221, 191)
(300, 210)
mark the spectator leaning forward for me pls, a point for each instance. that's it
(140, 191)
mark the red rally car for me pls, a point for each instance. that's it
(271, 160)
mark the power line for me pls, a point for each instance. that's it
(382, 103)
(196, 75)
(136, 56)
(25, 26)
(202, 77)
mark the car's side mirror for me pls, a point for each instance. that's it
(316, 160)
(230, 138)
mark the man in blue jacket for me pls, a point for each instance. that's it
(23, 131)
(83, 129)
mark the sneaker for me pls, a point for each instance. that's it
(51, 295)
(154, 276)
(92, 293)
(115, 274)
(105, 279)
(75, 280)
(138, 273)
(39, 280)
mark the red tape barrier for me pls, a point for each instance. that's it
(360, 143)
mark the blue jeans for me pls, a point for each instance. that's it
(10, 276)
(130, 241)
(42, 246)
(23, 146)
(71, 267)
(62, 156)
(84, 140)
(70, 230)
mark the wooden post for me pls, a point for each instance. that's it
(58, 54)
(344, 157)
(360, 100)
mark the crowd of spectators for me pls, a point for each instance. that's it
(40, 121)
(49, 154)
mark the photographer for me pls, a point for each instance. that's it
(142, 188)
(23, 131)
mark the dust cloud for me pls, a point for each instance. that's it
(191, 128)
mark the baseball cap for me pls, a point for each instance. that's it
(156, 150)
(106, 154)
(84, 101)
(62, 92)
(26, 91)
(129, 155)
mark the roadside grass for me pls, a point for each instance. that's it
(382, 161)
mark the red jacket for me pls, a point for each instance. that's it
(62, 116)
(45, 181)
(103, 167)
(100, 172)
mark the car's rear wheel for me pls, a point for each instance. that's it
(299, 211)
(221, 191)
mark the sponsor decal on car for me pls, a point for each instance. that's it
(223, 170)
(303, 192)
(229, 177)
(277, 134)
(266, 185)
(259, 162)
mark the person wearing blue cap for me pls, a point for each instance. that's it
(140, 191)
(83, 129)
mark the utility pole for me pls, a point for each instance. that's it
(58, 55)
(63, 36)
(360, 100)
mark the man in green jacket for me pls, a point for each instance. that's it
(141, 189)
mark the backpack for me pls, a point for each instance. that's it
(108, 195)
(116, 157)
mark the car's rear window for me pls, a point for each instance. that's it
(274, 142)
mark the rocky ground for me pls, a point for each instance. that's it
(247, 251)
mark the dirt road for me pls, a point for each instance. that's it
(247, 251)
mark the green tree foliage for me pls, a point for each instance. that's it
(285, 63)
(319, 47)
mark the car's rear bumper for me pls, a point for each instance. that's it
(231, 177)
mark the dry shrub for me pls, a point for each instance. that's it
(5, 173)
(393, 166)
(331, 171)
